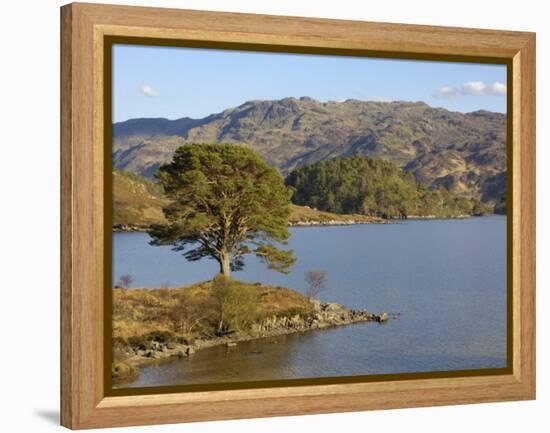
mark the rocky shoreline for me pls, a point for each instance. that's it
(336, 223)
(325, 315)
(330, 223)
(435, 217)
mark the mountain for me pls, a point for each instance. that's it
(464, 152)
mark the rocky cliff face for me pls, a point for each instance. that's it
(464, 152)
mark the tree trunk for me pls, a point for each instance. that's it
(225, 266)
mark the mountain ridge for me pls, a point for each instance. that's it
(464, 152)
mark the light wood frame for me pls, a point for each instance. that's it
(84, 403)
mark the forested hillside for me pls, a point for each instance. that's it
(375, 188)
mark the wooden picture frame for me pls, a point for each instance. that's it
(84, 226)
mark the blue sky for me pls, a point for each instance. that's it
(186, 82)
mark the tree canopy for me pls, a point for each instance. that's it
(226, 203)
(373, 187)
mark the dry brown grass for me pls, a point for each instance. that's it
(304, 214)
(279, 301)
(136, 201)
(193, 311)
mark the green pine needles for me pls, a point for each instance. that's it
(226, 203)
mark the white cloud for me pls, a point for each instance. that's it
(498, 88)
(148, 90)
(445, 92)
(472, 88)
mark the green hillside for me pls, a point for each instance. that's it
(375, 188)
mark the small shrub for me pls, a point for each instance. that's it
(316, 281)
(124, 371)
(125, 281)
(186, 313)
(236, 303)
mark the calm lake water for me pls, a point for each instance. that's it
(446, 278)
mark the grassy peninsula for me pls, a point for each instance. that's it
(150, 325)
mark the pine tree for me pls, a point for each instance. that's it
(227, 203)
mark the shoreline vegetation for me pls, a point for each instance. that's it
(155, 325)
(138, 204)
(326, 220)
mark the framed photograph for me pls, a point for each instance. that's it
(267, 216)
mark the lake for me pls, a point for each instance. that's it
(445, 278)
